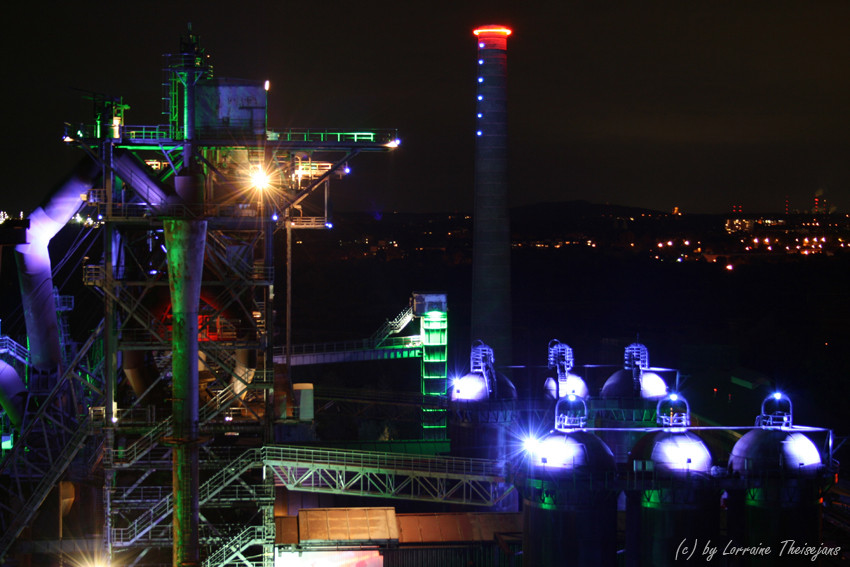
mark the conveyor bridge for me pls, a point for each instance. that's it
(357, 473)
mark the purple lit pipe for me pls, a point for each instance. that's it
(34, 269)
(12, 393)
(135, 174)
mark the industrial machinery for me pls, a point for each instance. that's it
(160, 439)
(184, 358)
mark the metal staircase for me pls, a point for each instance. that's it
(391, 327)
(224, 555)
(226, 474)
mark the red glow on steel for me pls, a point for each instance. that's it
(492, 29)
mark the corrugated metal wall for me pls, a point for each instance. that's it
(483, 555)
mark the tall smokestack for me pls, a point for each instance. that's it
(491, 253)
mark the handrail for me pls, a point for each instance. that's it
(414, 341)
(446, 467)
(252, 535)
(146, 442)
(215, 484)
(10, 346)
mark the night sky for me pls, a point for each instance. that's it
(700, 105)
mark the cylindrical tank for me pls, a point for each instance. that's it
(569, 497)
(481, 405)
(778, 493)
(672, 498)
(780, 496)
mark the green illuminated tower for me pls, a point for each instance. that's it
(431, 309)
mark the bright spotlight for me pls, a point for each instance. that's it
(259, 178)
(530, 444)
(777, 395)
(674, 396)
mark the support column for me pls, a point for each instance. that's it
(185, 241)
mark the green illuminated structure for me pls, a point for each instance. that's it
(431, 308)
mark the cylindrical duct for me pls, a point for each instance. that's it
(185, 241)
(13, 393)
(491, 260)
(34, 270)
(135, 174)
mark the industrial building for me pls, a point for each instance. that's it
(176, 435)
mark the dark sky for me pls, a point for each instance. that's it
(700, 105)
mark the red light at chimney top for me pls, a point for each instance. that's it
(492, 29)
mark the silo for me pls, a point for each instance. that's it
(777, 496)
(481, 404)
(628, 401)
(569, 494)
(671, 497)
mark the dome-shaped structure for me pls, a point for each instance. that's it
(763, 451)
(621, 384)
(560, 381)
(558, 387)
(470, 387)
(573, 452)
(636, 379)
(774, 447)
(569, 448)
(673, 452)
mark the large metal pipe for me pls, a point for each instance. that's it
(491, 255)
(34, 269)
(185, 241)
(34, 266)
(12, 393)
(137, 175)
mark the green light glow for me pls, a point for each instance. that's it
(434, 370)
